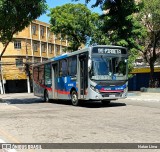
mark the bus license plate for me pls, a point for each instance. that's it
(112, 95)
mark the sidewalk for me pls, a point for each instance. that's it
(144, 96)
(15, 96)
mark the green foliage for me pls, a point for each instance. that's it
(150, 18)
(15, 15)
(98, 36)
(75, 22)
(122, 27)
(151, 14)
(119, 26)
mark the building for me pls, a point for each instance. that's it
(34, 44)
(141, 75)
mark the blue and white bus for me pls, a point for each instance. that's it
(94, 73)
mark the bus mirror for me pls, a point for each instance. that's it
(89, 65)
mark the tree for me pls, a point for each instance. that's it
(150, 18)
(75, 22)
(120, 26)
(98, 36)
(15, 15)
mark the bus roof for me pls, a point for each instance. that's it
(81, 51)
(76, 52)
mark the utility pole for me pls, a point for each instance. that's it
(1, 80)
(2, 87)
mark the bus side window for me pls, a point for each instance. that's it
(47, 73)
(35, 74)
(63, 68)
(72, 66)
(41, 74)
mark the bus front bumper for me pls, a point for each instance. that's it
(107, 96)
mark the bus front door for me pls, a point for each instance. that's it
(83, 75)
(55, 80)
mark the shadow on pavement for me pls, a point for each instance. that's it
(89, 104)
(85, 104)
(24, 101)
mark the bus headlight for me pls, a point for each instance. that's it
(94, 89)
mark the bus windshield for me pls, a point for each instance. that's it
(108, 68)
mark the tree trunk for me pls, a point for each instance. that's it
(151, 82)
(1, 78)
(4, 49)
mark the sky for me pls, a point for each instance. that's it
(54, 3)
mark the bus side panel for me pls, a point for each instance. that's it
(65, 84)
(38, 90)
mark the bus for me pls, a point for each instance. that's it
(94, 73)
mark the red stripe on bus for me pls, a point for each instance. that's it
(43, 86)
(62, 92)
(49, 89)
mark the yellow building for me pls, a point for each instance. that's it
(34, 44)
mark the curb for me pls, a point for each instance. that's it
(1, 100)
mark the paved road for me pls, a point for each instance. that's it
(27, 119)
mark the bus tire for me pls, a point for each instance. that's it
(105, 102)
(46, 96)
(74, 98)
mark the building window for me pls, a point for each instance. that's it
(49, 34)
(50, 48)
(35, 46)
(42, 32)
(33, 29)
(19, 62)
(17, 44)
(57, 49)
(43, 48)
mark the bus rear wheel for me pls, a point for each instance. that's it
(74, 98)
(46, 96)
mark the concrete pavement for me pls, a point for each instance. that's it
(144, 96)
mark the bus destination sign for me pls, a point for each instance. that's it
(104, 50)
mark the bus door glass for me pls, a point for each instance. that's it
(62, 80)
(55, 80)
(83, 58)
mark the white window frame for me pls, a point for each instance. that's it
(19, 62)
(35, 46)
(49, 34)
(17, 45)
(42, 32)
(50, 48)
(43, 47)
(33, 29)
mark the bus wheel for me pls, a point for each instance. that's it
(105, 102)
(74, 98)
(46, 96)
